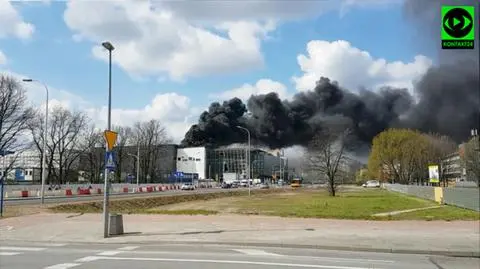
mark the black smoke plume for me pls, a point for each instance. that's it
(446, 101)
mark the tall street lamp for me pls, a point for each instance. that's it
(107, 45)
(137, 157)
(247, 157)
(44, 173)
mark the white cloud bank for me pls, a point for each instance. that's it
(12, 23)
(354, 68)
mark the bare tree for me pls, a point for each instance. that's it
(326, 156)
(14, 114)
(64, 145)
(150, 136)
(93, 161)
(125, 138)
(439, 147)
(472, 159)
(14, 118)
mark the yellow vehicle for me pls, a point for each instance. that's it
(296, 183)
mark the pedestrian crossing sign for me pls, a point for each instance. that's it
(109, 161)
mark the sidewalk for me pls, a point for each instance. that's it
(435, 237)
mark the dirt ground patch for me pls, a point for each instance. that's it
(22, 210)
(146, 205)
(221, 205)
(226, 205)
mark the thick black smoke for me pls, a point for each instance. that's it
(276, 123)
(447, 101)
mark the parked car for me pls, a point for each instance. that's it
(226, 185)
(372, 184)
(188, 187)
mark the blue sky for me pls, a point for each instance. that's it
(264, 49)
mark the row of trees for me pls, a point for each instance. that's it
(72, 140)
(397, 155)
(403, 156)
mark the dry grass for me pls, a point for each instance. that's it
(144, 204)
(22, 210)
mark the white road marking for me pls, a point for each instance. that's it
(88, 259)
(22, 248)
(62, 266)
(110, 253)
(4, 253)
(128, 248)
(95, 258)
(53, 245)
(256, 252)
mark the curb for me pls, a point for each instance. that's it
(463, 254)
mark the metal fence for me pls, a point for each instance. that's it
(462, 197)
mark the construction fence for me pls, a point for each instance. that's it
(468, 198)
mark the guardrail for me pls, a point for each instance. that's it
(462, 197)
(94, 189)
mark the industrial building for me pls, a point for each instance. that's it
(162, 163)
(263, 165)
(211, 163)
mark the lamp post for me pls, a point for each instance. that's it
(44, 146)
(247, 158)
(138, 164)
(107, 45)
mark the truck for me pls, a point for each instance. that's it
(230, 178)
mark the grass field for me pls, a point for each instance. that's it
(350, 203)
(356, 204)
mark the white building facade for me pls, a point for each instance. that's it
(192, 161)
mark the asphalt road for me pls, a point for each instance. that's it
(89, 198)
(24, 255)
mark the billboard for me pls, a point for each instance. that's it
(433, 174)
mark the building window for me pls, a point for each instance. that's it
(190, 158)
(198, 160)
(178, 159)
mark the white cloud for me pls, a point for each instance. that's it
(211, 11)
(3, 58)
(12, 24)
(184, 39)
(152, 42)
(263, 86)
(354, 68)
(172, 109)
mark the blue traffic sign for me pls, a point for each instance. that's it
(109, 160)
(178, 174)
